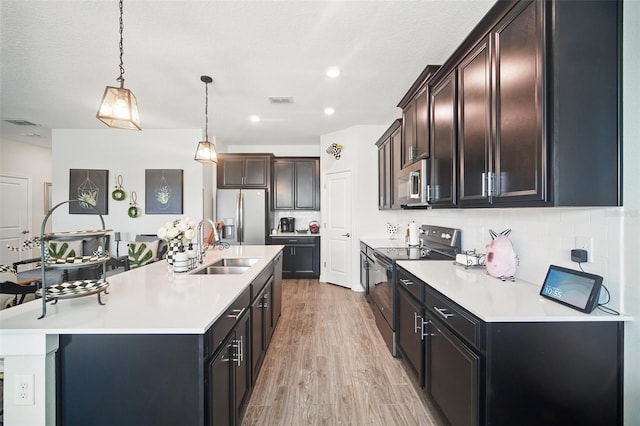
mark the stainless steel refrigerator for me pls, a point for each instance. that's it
(244, 213)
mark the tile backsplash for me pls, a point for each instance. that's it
(302, 217)
(544, 236)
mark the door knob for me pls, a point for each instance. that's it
(346, 235)
(25, 231)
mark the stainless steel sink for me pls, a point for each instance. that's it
(236, 261)
(223, 270)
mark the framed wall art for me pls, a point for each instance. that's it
(163, 191)
(88, 187)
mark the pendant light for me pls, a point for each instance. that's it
(206, 152)
(119, 106)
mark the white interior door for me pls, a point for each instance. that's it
(15, 217)
(337, 232)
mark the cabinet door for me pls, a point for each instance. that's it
(307, 186)
(256, 172)
(452, 376)
(408, 134)
(232, 172)
(396, 165)
(384, 176)
(520, 166)
(474, 125)
(242, 364)
(267, 312)
(219, 410)
(283, 184)
(277, 288)
(287, 261)
(304, 259)
(409, 331)
(257, 336)
(422, 124)
(443, 143)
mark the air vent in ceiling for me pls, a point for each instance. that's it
(281, 99)
(21, 122)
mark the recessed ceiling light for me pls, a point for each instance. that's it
(254, 119)
(329, 111)
(333, 72)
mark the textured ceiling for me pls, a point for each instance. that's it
(57, 56)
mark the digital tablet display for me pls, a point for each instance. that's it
(576, 289)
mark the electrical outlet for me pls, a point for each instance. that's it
(23, 389)
(585, 243)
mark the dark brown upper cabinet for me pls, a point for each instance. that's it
(243, 170)
(296, 184)
(474, 125)
(502, 148)
(389, 163)
(539, 105)
(415, 119)
(442, 185)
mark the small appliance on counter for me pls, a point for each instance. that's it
(287, 224)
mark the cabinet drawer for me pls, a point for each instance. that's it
(457, 319)
(411, 284)
(293, 240)
(223, 325)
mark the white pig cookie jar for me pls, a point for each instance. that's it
(501, 258)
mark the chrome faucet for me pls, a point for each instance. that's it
(201, 249)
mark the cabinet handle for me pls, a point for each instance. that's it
(490, 182)
(423, 327)
(415, 322)
(406, 281)
(265, 301)
(237, 353)
(443, 312)
(236, 313)
(484, 184)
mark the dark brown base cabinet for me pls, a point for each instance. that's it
(301, 256)
(170, 379)
(509, 373)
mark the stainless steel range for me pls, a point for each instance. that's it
(436, 243)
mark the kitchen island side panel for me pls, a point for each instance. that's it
(555, 373)
(130, 380)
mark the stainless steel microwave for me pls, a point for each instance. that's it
(412, 185)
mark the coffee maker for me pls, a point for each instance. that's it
(287, 224)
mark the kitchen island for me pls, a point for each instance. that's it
(488, 352)
(142, 357)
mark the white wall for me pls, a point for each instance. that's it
(30, 161)
(128, 153)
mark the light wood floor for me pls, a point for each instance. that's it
(327, 365)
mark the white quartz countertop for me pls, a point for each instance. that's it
(492, 300)
(147, 300)
(377, 242)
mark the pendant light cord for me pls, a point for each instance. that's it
(206, 111)
(121, 78)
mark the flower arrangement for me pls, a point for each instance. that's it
(178, 231)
